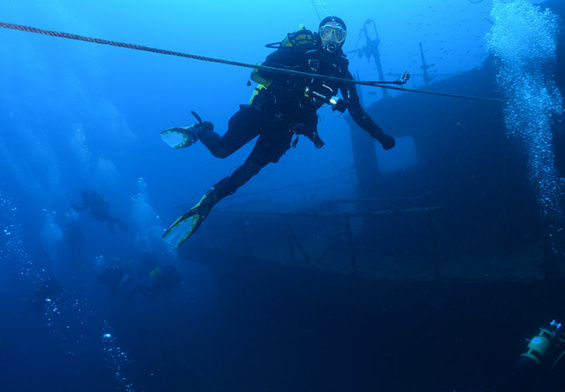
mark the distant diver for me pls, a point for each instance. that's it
(99, 209)
(165, 277)
(282, 106)
(115, 277)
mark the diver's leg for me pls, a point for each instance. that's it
(134, 291)
(141, 289)
(146, 291)
(121, 224)
(270, 147)
(242, 128)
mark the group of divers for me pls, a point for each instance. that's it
(112, 272)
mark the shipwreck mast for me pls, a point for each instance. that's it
(364, 152)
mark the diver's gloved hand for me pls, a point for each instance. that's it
(200, 126)
(386, 141)
(374, 130)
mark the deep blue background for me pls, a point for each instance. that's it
(76, 115)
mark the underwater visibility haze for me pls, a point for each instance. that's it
(322, 271)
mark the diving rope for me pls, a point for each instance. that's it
(229, 62)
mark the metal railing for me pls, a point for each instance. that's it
(298, 249)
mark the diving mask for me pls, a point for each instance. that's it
(335, 34)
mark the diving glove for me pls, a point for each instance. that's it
(186, 225)
(180, 137)
(386, 141)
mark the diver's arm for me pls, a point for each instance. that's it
(362, 118)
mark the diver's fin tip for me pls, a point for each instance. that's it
(198, 118)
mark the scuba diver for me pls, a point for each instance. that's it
(281, 107)
(99, 209)
(165, 278)
(115, 277)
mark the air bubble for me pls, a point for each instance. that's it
(524, 40)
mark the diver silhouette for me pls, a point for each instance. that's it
(115, 277)
(99, 209)
(165, 278)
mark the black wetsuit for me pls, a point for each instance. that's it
(282, 110)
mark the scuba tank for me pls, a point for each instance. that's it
(531, 367)
(540, 343)
(302, 37)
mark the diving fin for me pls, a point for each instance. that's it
(183, 228)
(187, 224)
(180, 137)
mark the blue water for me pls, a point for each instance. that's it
(77, 115)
